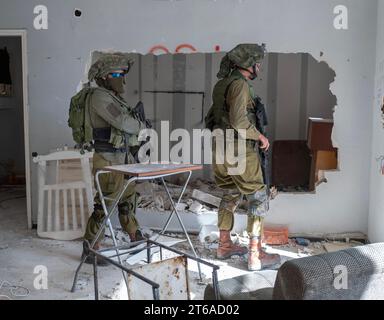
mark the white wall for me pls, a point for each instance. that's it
(57, 59)
(376, 212)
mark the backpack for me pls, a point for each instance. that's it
(76, 120)
(215, 115)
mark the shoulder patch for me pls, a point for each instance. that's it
(114, 110)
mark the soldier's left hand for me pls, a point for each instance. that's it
(264, 143)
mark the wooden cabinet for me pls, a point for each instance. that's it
(291, 165)
(319, 134)
(323, 154)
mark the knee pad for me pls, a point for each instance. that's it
(98, 213)
(126, 209)
(258, 203)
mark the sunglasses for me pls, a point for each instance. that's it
(117, 75)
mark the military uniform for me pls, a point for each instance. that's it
(106, 110)
(240, 104)
(233, 108)
(114, 128)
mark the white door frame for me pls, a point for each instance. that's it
(23, 34)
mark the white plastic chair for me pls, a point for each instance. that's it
(65, 194)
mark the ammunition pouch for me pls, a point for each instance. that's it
(101, 137)
(102, 134)
(101, 146)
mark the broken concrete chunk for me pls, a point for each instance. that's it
(209, 233)
(196, 207)
(147, 232)
(206, 198)
(211, 246)
(336, 246)
(181, 206)
(146, 188)
(159, 202)
(167, 205)
(145, 204)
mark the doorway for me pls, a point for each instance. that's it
(14, 130)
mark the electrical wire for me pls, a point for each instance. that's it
(13, 290)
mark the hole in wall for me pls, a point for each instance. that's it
(294, 88)
(77, 13)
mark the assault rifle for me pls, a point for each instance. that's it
(261, 124)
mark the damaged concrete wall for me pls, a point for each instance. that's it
(376, 212)
(300, 84)
(294, 87)
(57, 59)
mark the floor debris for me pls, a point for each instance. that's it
(206, 198)
(25, 251)
(302, 241)
(62, 257)
(196, 207)
(83, 281)
(209, 233)
(336, 245)
(153, 196)
(142, 256)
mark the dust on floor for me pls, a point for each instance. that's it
(23, 255)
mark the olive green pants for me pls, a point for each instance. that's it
(226, 212)
(111, 184)
(247, 182)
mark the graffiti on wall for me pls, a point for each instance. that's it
(181, 48)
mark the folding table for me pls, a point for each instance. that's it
(133, 173)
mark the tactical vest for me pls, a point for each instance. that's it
(218, 114)
(114, 137)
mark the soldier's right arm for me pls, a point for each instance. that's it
(110, 111)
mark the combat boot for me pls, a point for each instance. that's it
(136, 236)
(258, 259)
(227, 248)
(128, 221)
(101, 262)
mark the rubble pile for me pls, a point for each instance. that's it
(200, 196)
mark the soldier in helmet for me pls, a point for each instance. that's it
(233, 108)
(115, 128)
